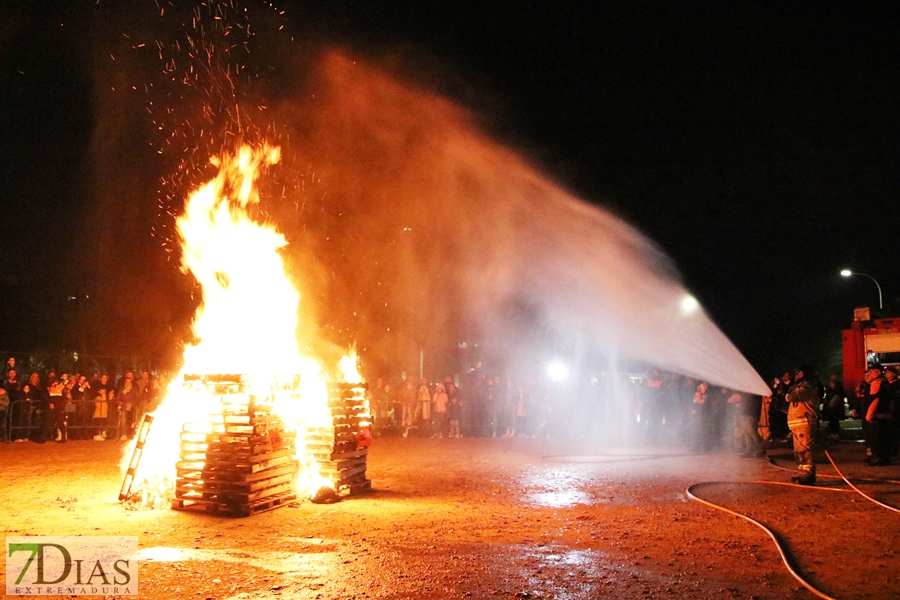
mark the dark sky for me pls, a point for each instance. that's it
(756, 143)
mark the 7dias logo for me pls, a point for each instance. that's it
(71, 566)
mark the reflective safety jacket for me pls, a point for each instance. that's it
(803, 404)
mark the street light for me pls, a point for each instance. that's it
(848, 273)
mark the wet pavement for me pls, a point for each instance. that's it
(491, 518)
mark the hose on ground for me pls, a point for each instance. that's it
(778, 543)
(856, 489)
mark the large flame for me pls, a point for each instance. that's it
(246, 324)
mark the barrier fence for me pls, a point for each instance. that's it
(76, 420)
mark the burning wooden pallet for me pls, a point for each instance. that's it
(341, 450)
(241, 462)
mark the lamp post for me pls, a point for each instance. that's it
(848, 273)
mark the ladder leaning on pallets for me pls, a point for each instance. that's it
(140, 440)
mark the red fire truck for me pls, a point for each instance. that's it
(868, 342)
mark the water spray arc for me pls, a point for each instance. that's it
(415, 189)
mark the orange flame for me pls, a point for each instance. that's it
(246, 324)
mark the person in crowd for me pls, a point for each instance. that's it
(454, 413)
(671, 411)
(719, 417)
(127, 398)
(158, 384)
(388, 400)
(36, 408)
(147, 392)
(4, 414)
(778, 426)
(28, 412)
(700, 436)
(509, 405)
(58, 398)
(878, 416)
(380, 407)
(423, 408)
(396, 407)
(51, 379)
(9, 366)
(14, 390)
(439, 403)
(732, 417)
(475, 412)
(490, 415)
(833, 407)
(803, 421)
(84, 409)
(103, 395)
(687, 387)
(653, 406)
(747, 425)
(496, 407)
(407, 399)
(68, 405)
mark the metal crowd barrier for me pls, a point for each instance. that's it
(23, 420)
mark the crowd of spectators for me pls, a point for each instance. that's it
(654, 408)
(611, 408)
(659, 408)
(59, 407)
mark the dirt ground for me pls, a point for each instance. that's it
(486, 518)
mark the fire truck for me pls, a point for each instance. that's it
(869, 342)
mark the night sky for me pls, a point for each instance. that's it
(755, 143)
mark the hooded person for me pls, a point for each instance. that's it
(803, 421)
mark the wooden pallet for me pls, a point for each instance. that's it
(336, 448)
(236, 510)
(225, 476)
(237, 493)
(241, 461)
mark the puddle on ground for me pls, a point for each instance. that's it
(559, 487)
(561, 499)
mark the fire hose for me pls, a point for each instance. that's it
(779, 545)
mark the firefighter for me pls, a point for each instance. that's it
(803, 421)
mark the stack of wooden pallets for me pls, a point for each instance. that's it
(241, 462)
(341, 448)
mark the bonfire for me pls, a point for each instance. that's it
(245, 355)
